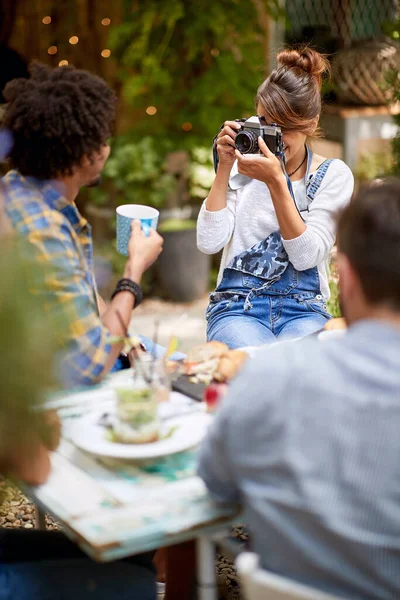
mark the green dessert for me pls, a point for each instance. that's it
(137, 419)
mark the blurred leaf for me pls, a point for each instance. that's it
(27, 345)
(196, 61)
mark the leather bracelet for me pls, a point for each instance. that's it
(127, 285)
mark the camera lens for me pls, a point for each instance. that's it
(246, 142)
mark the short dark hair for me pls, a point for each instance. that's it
(369, 235)
(56, 117)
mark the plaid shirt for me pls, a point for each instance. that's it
(60, 238)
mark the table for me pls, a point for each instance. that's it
(113, 509)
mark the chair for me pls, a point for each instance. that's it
(258, 584)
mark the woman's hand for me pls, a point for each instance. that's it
(226, 143)
(265, 167)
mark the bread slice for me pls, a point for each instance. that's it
(230, 364)
(204, 357)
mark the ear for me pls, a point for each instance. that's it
(85, 162)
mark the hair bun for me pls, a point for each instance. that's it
(307, 59)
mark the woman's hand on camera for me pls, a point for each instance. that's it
(265, 167)
(226, 142)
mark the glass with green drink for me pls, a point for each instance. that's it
(137, 419)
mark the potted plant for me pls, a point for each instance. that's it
(182, 270)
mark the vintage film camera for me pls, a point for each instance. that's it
(246, 140)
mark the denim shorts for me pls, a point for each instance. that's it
(247, 311)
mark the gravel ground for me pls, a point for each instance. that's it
(17, 512)
(228, 581)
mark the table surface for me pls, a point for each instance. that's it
(112, 508)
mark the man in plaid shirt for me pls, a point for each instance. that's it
(59, 122)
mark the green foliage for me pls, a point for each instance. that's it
(393, 82)
(333, 303)
(201, 172)
(135, 173)
(176, 225)
(26, 346)
(393, 85)
(372, 165)
(196, 61)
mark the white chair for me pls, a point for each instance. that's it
(258, 584)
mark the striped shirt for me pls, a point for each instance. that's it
(308, 441)
(60, 239)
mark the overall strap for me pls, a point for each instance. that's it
(314, 184)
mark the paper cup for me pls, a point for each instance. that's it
(126, 213)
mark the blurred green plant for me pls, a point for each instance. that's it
(333, 302)
(393, 82)
(372, 165)
(185, 66)
(392, 79)
(188, 65)
(27, 347)
(135, 173)
(170, 225)
(201, 172)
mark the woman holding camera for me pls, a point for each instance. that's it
(274, 217)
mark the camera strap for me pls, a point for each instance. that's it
(289, 183)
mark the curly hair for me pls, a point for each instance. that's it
(56, 117)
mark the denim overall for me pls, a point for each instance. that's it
(262, 298)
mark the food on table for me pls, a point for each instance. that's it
(230, 364)
(213, 361)
(204, 358)
(338, 323)
(213, 394)
(137, 420)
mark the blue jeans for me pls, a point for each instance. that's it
(44, 565)
(248, 311)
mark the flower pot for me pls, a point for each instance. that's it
(182, 270)
(359, 71)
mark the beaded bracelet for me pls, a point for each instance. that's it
(127, 285)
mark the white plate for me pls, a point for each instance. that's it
(189, 431)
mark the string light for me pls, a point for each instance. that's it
(106, 53)
(106, 22)
(187, 126)
(63, 63)
(46, 20)
(151, 110)
(52, 50)
(73, 40)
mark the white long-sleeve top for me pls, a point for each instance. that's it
(249, 218)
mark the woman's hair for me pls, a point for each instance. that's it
(291, 95)
(55, 118)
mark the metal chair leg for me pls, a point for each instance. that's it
(206, 577)
(40, 518)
